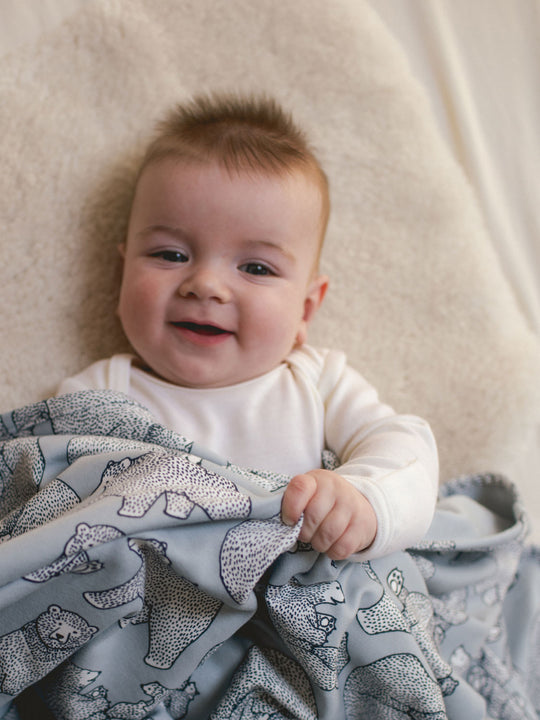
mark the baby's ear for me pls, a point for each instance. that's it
(316, 292)
(315, 295)
(122, 250)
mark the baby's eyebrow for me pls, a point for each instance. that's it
(177, 232)
(282, 249)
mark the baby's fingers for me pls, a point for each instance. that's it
(296, 497)
(358, 533)
(350, 541)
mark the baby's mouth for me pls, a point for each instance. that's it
(202, 329)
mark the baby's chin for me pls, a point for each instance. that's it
(211, 367)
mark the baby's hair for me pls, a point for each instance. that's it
(241, 133)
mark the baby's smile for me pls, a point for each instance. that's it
(202, 333)
(202, 329)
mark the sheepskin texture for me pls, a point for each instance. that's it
(417, 297)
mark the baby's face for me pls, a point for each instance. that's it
(219, 276)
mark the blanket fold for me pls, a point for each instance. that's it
(141, 576)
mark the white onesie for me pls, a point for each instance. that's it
(284, 419)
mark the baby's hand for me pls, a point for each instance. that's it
(338, 519)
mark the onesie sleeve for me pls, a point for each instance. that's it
(392, 459)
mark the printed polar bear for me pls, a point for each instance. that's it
(176, 611)
(21, 471)
(395, 687)
(175, 701)
(75, 559)
(292, 609)
(414, 614)
(141, 481)
(248, 549)
(63, 691)
(56, 498)
(90, 412)
(267, 686)
(29, 653)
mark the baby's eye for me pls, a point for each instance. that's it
(174, 256)
(256, 269)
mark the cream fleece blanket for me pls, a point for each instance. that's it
(417, 299)
(480, 64)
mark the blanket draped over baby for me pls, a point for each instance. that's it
(142, 576)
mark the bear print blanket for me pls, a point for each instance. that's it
(143, 577)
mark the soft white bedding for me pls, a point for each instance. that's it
(480, 64)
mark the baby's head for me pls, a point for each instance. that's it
(220, 273)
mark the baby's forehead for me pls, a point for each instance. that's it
(301, 179)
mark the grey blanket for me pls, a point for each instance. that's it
(143, 577)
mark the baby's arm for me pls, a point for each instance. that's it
(338, 519)
(389, 460)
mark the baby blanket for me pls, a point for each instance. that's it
(141, 576)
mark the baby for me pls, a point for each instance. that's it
(220, 282)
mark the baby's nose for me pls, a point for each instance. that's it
(205, 284)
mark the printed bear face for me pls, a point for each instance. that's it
(61, 629)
